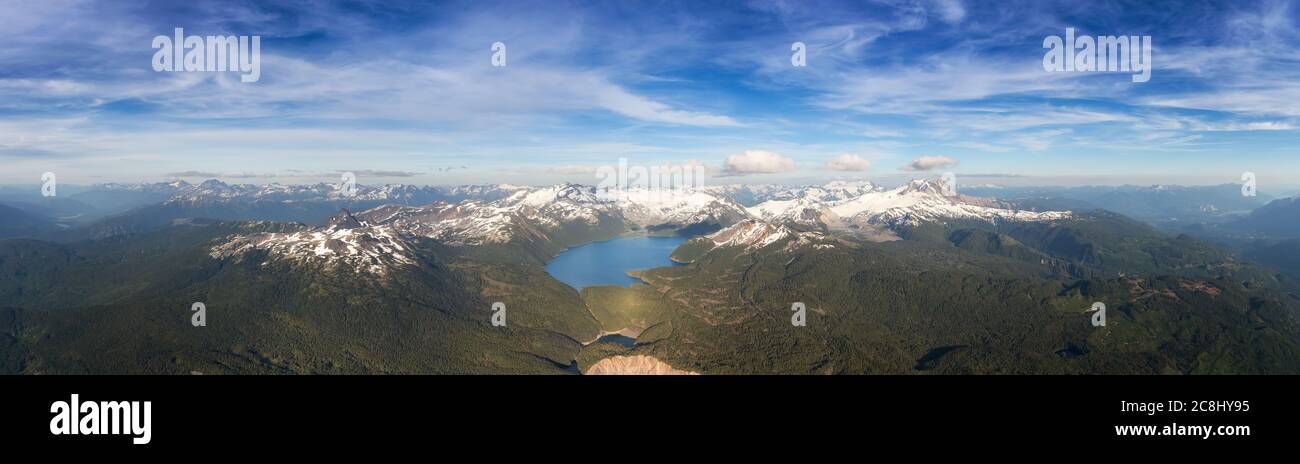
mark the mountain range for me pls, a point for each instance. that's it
(909, 279)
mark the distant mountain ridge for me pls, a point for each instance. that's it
(1279, 218)
(1153, 203)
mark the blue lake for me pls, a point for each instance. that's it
(608, 262)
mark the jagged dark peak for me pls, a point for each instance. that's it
(344, 220)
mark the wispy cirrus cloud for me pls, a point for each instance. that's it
(409, 87)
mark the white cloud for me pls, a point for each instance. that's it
(757, 161)
(926, 163)
(848, 162)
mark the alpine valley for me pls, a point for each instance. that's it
(407, 279)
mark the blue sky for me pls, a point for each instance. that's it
(407, 94)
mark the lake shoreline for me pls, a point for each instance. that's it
(611, 262)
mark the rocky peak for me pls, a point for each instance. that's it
(932, 186)
(344, 220)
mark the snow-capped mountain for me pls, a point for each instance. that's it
(345, 243)
(676, 208)
(215, 191)
(528, 214)
(156, 187)
(751, 195)
(752, 235)
(479, 192)
(539, 212)
(923, 201)
(556, 205)
(746, 195)
(801, 211)
(464, 223)
(914, 203)
(832, 191)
